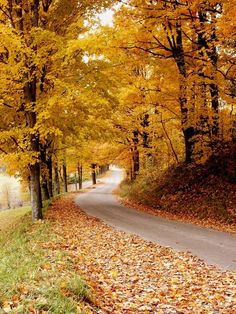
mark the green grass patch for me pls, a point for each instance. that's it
(33, 276)
(8, 218)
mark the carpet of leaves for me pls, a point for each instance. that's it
(203, 194)
(129, 275)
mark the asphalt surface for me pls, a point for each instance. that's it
(214, 247)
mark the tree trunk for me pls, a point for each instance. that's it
(24, 25)
(214, 89)
(44, 173)
(45, 192)
(136, 163)
(50, 178)
(131, 165)
(80, 176)
(76, 187)
(215, 112)
(30, 116)
(207, 41)
(135, 156)
(94, 177)
(35, 192)
(179, 57)
(189, 144)
(65, 177)
(145, 123)
(56, 179)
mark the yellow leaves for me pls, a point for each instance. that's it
(49, 47)
(10, 39)
(7, 306)
(114, 273)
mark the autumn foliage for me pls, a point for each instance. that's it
(153, 90)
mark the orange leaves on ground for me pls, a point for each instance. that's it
(129, 275)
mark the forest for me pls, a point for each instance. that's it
(153, 92)
(140, 97)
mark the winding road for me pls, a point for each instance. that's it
(214, 247)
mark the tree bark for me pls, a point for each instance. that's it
(35, 192)
(207, 41)
(94, 177)
(135, 156)
(50, 177)
(56, 179)
(44, 173)
(177, 48)
(65, 177)
(45, 192)
(80, 176)
(145, 123)
(30, 116)
(215, 112)
(24, 18)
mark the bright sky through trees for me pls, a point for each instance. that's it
(107, 17)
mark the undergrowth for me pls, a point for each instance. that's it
(206, 191)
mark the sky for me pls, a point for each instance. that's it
(106, 17)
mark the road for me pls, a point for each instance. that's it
(214, 247)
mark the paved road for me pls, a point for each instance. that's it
(216, 248)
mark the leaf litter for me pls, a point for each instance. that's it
(126, 274)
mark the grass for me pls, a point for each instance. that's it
(10, 217)
(33, 277)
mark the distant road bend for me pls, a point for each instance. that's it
(214, 247)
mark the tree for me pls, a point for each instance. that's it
(39, 45)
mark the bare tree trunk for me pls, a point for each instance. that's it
(207, 41)
(76, 186)
(50, 177)
(44, 173)
(56, 179)
(45, 192)
(135, 156)
(215, 112)
(65, 177)
(35, 188)
(23, 24)
(35, 192)
(131, 165)
(94, 177)
(80, 176)
(177, 47)
(145, 123)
